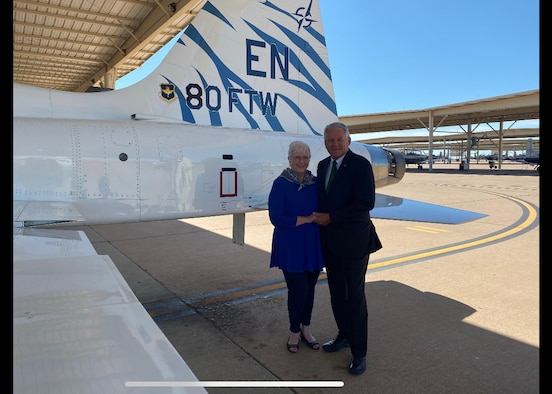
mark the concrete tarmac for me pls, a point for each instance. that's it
(452, 308)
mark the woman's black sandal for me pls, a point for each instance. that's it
(313, 345)
(292, 347)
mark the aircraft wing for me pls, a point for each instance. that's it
(390, 207)
(45, 212)
(77, 325)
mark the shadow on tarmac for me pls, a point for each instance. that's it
(418, 342)
(225, 311)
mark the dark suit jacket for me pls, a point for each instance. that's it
(351, 233)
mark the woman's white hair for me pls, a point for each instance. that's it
(297, 146)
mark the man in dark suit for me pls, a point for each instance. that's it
(348, 237)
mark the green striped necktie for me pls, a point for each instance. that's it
(332, 174)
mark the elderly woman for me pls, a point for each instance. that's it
(296, 241)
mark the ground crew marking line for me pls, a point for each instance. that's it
(527, 220)
(425, 229)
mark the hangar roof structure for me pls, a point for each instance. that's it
(83, 45)
(499, 109)
(512, 107)
(489, 140)
(72, 45)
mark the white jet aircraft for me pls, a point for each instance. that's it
(204, 134)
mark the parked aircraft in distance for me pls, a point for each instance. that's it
(414, 156)
(205, 134)
(532, 156)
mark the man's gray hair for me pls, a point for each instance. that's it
(340, 125)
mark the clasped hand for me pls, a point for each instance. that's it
(323, 219)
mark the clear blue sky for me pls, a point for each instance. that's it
(399, 55)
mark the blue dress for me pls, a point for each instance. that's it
(294, 248)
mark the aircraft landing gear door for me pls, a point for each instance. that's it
(228, 182)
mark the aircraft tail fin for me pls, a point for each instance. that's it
(248, 64)
(241, 64)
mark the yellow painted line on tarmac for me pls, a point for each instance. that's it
(240, 294)
(244, 293)
(282, 285)
(526, 223)
(425, 229)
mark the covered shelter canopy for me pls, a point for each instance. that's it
(498, 109)
(511, 107)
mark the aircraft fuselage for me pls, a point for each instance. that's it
(121, 171)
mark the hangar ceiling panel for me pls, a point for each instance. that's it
(72, 44)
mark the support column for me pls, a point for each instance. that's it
(109, 79)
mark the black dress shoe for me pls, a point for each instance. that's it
(333, 345)
(357, 365)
